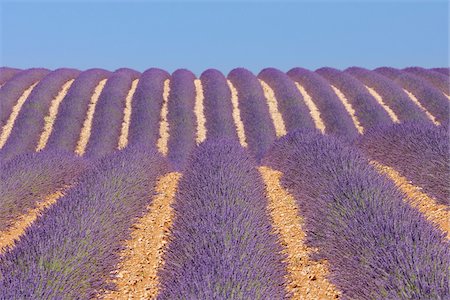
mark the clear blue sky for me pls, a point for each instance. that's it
(223, 34)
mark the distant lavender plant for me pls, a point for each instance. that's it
(72, 111)
(108, 116)
(418, 151)
(29, 124)
(222, 244)
(13, 89)
(336, 119)
(377, 245)
(7, 73)
(445, 71)
(70, 251)
(258, 125)
(439, 80)
(368, 111)
(147, 103)
(181, 117)
(218, 106)
(290, 102)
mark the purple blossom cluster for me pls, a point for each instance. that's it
(439, 80)
(290, 102)
(181, 117)
(73, 109)
(7, 73)
(70, 251)
(445, 71)
(254, 111)
(28, 126)
(336, 119)
(377, 245)
(369, 113)
(108, 117)
(217, 106)
(418, 151)
(222, 244)
(13, 89)
(147, 103)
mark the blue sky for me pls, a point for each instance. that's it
(223, 34)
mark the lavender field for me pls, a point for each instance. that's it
(325, 184)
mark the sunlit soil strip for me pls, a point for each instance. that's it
(86, 129)
(142, 258)
(200, 111)
(8, 237)
(377, 97)
(7, 128)
(164, 125)
(277, 118)
(237, 115)
(123, 139)
(351, 111)
(448, 96)
(51, 117)
(416, 101)
(313, 110)
(306, 278)
(438, 214)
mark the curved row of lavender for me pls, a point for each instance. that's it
(72, 111)
(7, 73)
(254, 111)
(445, 71)
(336, 119)
(439, 80)
(108, 117)
(218, 107)
(70, 251)
(392, 94)
(222, 244)
(14, 88)
(418, 151)
(377, 245)
(367, 110)
(430, 97)
(181, 117)
(28, 126)
(289, 100)
(146, 108)
(30, 177)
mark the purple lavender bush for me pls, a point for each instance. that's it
(222, 245)
(13, 89)
(72, 111)
(7, 73)
(147, 103)
(70, 251)
(290, 102)
(377, 245)
(217, 106)
(336, 119)
(30, 121)
(181, 117)
(368, 111)
(439, 80)
(108, 116)
(258, 125)
(418, 151)
(445, 71)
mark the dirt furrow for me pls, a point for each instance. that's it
(351, 111)
(416, 101)
(237, 114)
(164, 124)
(313, 110)
(377, 97)
(123, 139)
(200, 111)
(277, 118)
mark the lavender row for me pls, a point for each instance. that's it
(254, 111)
(108, 117)
(31, 177)
(445, 71)
(28, 126)
(70, 251)
(377, 246)
(290, 102)
(418, 151)
(431, 98)
(367, 110)
(439, 80)
(181, 117)
(147, 103)
(73, 109)
(222, 243)
(13, 89)
(7, 73)
(336, 119)
(217, 105)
